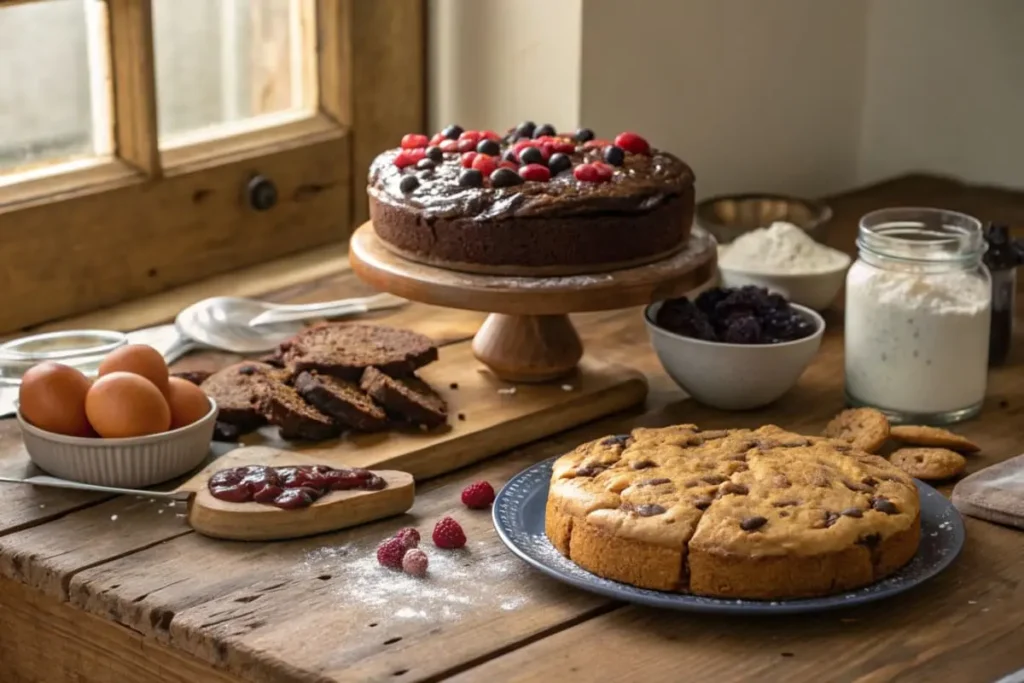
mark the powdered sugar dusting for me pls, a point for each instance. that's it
(458, 582)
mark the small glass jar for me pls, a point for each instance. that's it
(80, 349)
(918, 315)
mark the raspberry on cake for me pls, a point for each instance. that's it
(533, 202)
(760, 514)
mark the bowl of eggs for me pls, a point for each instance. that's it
(133, 425)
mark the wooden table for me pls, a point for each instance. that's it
(95, 589)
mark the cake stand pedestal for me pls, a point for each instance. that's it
(528, 336)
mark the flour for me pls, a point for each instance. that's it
(781, 248)
(916, 343)
(457, 583)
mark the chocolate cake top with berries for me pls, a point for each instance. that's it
(530, 201)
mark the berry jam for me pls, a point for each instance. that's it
(288, 487)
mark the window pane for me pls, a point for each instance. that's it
(53, 84)
(222, 62)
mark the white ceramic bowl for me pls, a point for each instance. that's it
(128, 463)
(733, 376)
(814, 290)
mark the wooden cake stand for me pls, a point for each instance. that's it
(528, 336)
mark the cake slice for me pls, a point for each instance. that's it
(346, 349)
(237, 390)
(342, 400)
(408, 398)
(298, 421)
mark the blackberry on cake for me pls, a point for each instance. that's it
(344, 350)
(408, 398)
(342, 400)
(533, 202)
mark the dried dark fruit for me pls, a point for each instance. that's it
(752, 523)
(745, 330)
(748, 315)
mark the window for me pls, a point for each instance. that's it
(148, 143)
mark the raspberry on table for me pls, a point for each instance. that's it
(408, 536)
(415, 562)
(448, 534)
(478, 496)
(391, 552)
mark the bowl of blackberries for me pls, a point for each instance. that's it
(734, 349)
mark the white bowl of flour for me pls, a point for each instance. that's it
(785, 259)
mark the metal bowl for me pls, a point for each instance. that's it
(729, 216)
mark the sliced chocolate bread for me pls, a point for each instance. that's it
(238, 390)
(346, 349)
(408, 398)
(342, 400)
(297, 420)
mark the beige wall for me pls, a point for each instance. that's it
(945, 90)
(800, 96)
(493, 63)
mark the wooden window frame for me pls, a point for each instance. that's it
(102, 231)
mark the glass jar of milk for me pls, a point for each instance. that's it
(918, 309)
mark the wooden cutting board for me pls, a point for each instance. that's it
(995, 493)
(495, 416)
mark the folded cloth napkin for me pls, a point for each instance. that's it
(995, 493)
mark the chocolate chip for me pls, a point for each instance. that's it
(753, 523)
(530, 155)
(654, 482)
(616, 440)
(856, 486)
(649, 509)
(453, 385)
(542, 130)
(884, 505)
(852, 512)
(247, 370)
(690, 484)
(461, 416)
(642, 465)
(870, 540)
(435, 154)
(781, 481)
(831, 518)
(785, 503)
(869, 481)
(733, 489)
(589, 470)
(713, 479)
(409, 184)
(702, 503)
(784, 513)
(558, 163)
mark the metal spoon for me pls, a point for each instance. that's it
(248, 326)
(54, 482)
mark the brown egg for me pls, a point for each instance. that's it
(139, 359)
(188, 402)
(52, 397)
(123, 404)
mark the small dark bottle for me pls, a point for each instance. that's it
(1002, 258)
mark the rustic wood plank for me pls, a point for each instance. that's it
(951, 629)
(334, 59)
(91, 649)
(133, 84)
(234, 605)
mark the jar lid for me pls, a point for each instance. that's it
(80, 349)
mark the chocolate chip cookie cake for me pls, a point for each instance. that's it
(759, 514)
(531, 201)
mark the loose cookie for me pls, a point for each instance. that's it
(865, 428)
(935, 437)
(930, 464)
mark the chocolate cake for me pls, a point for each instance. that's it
(344, 350)
(237, 390)
(408, 398)
(342, 400)
(530, 202)
(297, 420)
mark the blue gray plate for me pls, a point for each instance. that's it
(519, 520)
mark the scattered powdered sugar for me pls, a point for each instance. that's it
(457, 583)
(781, 248)
(507, 390)
(570, 282)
